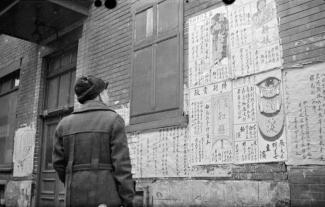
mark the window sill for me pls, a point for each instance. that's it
(180, 121)
(6, 167)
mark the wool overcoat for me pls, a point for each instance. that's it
(91, 157)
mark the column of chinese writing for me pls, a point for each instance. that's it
(317, 85)
(198, 51)
(266, 35)
(221, 151)
(133, 143)
(163, 146)
(245, 128)
(197, 123)
(241, 41)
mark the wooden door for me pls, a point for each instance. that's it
(52, 190)
(59, 97)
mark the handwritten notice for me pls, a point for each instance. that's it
(208, 48)
(254, 37)
(210, 128)
(24, 152)
(270, 117)
(161, 153)
(259, 119)
(124, 112)
(305, 108)
(245, 126)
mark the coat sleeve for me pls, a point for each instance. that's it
(59, 163)
(121, 162)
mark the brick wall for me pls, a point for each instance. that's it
(302, 31)
(307, 185)
(106, 45)
(19, 54)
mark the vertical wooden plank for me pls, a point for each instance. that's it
(71, 93)
(167, 75)
(141, 82)
(64, 90)
(49, 144)
(12, 124)
(4, 128)
(52, 93)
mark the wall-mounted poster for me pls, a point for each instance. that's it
(210, 124)
(259, 126)
(305, 108)
(208, 49)
(270, 117)
(24, 151)
(161, 153)
(233, 41)
(238, 45)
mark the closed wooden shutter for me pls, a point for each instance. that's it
(8, 103)
(157, 63)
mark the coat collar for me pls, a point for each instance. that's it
(92, 105)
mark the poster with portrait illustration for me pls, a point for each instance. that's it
(208, 49)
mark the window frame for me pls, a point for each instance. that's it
(70, 68)
(8, 167)
(165, 119)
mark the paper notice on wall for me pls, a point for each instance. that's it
(254, 41)
(305, 108)
(259, 128)
(23, 156)
(210, 118)
(245, 126)
(124, 112)
(233, 41)
(208, 48)
(161, 153)
(272, 141)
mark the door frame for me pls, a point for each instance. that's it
(44, 115)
